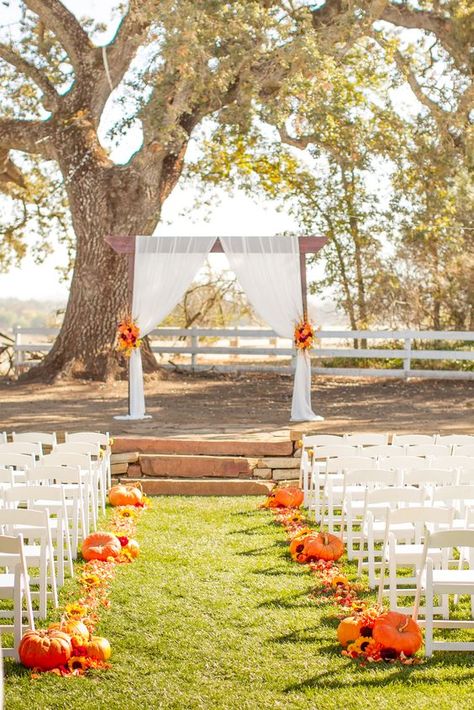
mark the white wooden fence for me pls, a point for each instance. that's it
(196, 342)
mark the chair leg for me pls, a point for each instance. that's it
(429, 622)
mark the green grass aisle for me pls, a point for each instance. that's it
(215, 616)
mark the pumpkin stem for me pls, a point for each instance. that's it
(404, 625)
(325, 539)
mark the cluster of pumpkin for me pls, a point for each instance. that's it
(374, 635)
(370, 634)
(66, 647)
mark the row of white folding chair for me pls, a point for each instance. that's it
(377, 501)
(406, 554)
(35, 527)
(53, 499)
(349, 495)
(315, 481)
(94, 437)
(75, 483)
(15, 586)
(359, 499)
(434, 582)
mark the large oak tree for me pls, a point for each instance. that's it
(175, 63)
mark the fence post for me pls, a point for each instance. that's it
(194, 344)
(17, 354)
(407, 357)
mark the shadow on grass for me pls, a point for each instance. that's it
(411, 675)
(257, 530)
(288, 603)
(308, 635)
(278, 571)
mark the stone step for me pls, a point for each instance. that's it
(204, 447)
(202, 486)
(182, 466)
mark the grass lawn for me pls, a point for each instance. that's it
(215, 615)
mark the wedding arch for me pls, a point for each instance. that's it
(271, 270)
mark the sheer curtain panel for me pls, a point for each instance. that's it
(268, 269)
(164, 268)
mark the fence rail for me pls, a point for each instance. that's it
(171, 341)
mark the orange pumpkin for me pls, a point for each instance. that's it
(289, 497)
(45, 649)
(98, 648)
(133, 548)
(348, 630)
(125, 494)
(74, 628)
(323, 546)
(101, 546)
(398, 631)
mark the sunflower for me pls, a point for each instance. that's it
(360, 645)
(126, 512)
(78, 663)
(75, 610)
(90, 580)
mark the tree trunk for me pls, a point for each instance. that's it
(102, 202)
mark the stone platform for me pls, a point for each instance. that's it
(201, 465)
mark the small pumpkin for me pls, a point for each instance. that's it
(99, 648)
(323, 546)
(398, 631)
(125, 494)
(348, 630)
(45, 649)
(74, 628)
(289, 497)
(133, 548)
(101, 546)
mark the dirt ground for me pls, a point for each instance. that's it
(249, 405)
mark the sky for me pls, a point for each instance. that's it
(236, 214)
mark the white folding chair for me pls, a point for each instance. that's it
(457, 497)
(455, 439)
(464, 465)
(383, 450)
(19, 462)
(463, 450)
(34, 525)
(92, 450)
(46, 439)
(320, 454)
(75, 486)
(426, 450)
(51, 498)
(22, 447)
(407, 552)
(366, 439)
(433, 582)
(3, 437)
(104, 441)
(332, 493)
(374, 522)
(413, 439)
(431, 477)
(308, 443)
(356, 483)
(403, 463)
(16, 587)
(63, 458)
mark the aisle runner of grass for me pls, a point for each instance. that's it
(214, 615)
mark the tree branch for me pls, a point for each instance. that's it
(33, 73)
(119, 54)
(59, 20)
(27, 136)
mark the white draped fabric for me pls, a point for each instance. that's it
(268, 269)
(164, 268)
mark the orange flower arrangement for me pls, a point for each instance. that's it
(128, 336)
(304, 334)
